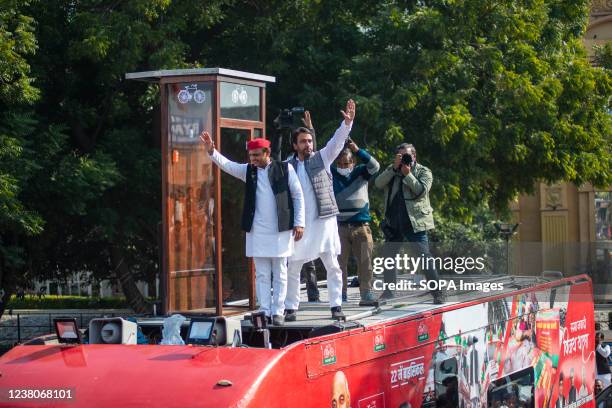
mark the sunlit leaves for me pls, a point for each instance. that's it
(495, 95)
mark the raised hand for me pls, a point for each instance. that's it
(349, 114)
(277, 122)
(209, 145)
(307, 120)
(353, 146)
(397, 162)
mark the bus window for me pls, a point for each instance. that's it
(447, 389)
(514, 390)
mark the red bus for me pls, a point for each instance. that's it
(530, 344)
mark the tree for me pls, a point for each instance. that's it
(496, 95)
(17, 219)
(307, 45)
(98, 189)
(43, 181)
(603, 56)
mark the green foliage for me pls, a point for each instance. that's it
(91, 148)
(482, 229)
(17, 218)
(67, 302)
(495, 96)
(17, 42)
(456, 239)
(603, 55)
(16, 167)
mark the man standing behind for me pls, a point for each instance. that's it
(273, 208)
(321, 238)
(571, 397)
(561, 402)
(583, 391)
(408, 213)
(602, 353)
(351, 190)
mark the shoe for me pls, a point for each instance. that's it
(387, 294)
(314, 300)
(278, 320)
(337, 313)
(290, 315)
(439, 297)
(368, 300)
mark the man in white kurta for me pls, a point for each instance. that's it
(321, 239)
(268, 247)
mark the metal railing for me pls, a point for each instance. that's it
(17, 324)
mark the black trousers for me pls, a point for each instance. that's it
(419, 245)
(309, 271)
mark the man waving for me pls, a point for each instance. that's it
(273, 218)
(321, 238)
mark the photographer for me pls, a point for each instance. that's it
(351, 191)
(408, 213)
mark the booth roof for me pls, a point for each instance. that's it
(154, 76)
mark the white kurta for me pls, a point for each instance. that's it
(264, 239)
(320, 234)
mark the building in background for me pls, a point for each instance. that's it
(599, 30)
(564, 227)
(81, 284)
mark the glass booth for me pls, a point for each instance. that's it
(204, 268)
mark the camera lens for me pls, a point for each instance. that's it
(406, 159)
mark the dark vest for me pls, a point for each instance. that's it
(322, 184)
(601, 364)
(278, 174)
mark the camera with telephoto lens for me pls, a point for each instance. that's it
(290, 118)
(407, 159)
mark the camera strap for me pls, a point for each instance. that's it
(420, 194)
(389, 196)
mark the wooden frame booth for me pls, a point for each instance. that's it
(204, 268)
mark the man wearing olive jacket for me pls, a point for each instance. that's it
(408, 213)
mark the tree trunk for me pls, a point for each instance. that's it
(128, 285)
